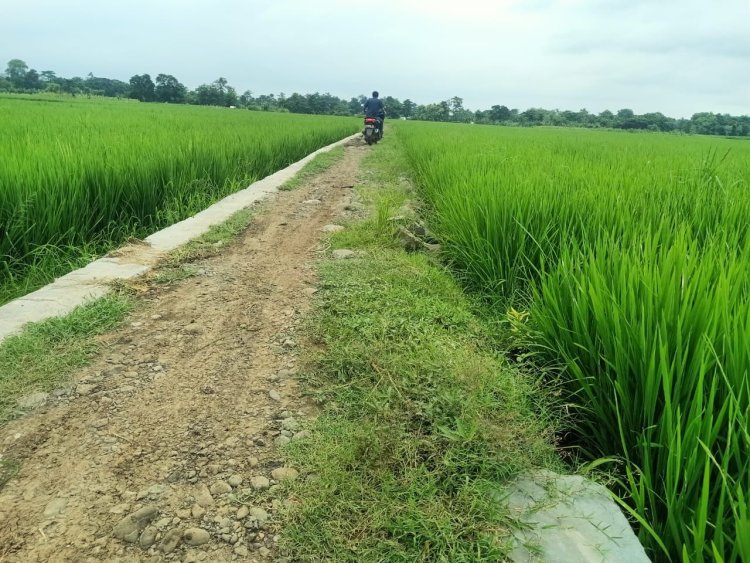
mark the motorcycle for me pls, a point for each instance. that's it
(373, 130)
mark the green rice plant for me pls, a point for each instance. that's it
(91, 174)
(632, 254)
(656, 342)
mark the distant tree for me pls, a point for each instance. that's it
(218, 93)
(456, 107)
(73, 86)
(482, 116)
(498, 114)
(623, 114)
(682, 125)
(297, 104)
(533, 116)
(169, 89)
(433, 112)
(393, 107)
(635, 122)
(31, 81)
(48, 76)
(569, 117)
(220, 84)
(408, 108)
(142, 87)
(16, 72)
(246, 99)
(704, 123)
(106, 86)
(315, 103)
(230, 97)
(606, 118)
(266, 102)
(554, 118)
(444, 110)
(355, 108)
(658, 121)
(209, 95)
(585, 118)
(67, 87)
(18, 76)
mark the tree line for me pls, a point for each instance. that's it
(165, 88)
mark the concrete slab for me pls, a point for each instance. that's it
(569, 519)
(91, 282)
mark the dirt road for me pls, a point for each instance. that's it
(150, 453)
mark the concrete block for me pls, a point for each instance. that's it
(569, 519)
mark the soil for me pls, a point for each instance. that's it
(163, 447)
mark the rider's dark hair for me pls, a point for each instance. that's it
(375, 94)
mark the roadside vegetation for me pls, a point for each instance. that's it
(180, 264)
(45, 355)
(321, 162)
(422, 423)
(626, 259)
(93, 174)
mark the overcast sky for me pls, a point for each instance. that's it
(673, 56)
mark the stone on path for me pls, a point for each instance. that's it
(171, 541)
(55, 507)
(260, 515)
(204, 498)
(282, 441)
(196, 536)
(32, 401)
(220, 488)
(260, 483)
(129, 528)
(284, 474)
(343, 254)
(148, 537)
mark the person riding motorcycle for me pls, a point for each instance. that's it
(374, 107)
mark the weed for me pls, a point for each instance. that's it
(45, 354)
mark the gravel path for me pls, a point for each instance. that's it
(164, 448)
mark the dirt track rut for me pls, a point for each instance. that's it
(186, 402)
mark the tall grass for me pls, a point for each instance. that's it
(77, 177)
(632, 254)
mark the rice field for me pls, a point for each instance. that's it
(78, 177)
(630, 254)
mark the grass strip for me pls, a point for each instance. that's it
(180, 263)
(421, 423)
(320, 163)
(45, 354)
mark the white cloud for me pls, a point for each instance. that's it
(674, 56)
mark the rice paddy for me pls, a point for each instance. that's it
(625, 258)
(621, 261)
(78, 177)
